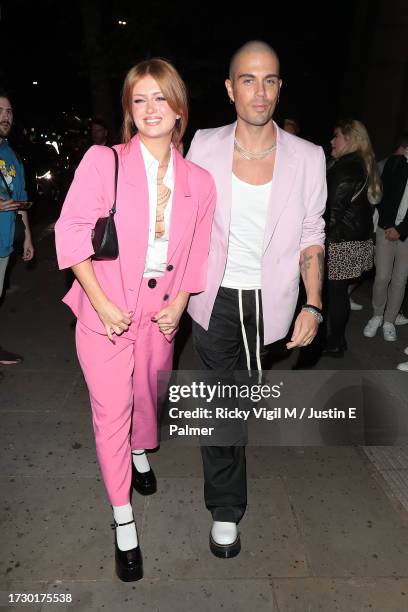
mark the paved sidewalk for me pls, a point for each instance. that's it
(323, 530)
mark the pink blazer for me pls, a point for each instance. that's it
(294, 222)
(91, 196)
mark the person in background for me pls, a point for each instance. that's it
(99, 131)
(391, 249)
(291, 125)
(353, 186)
(400, 145)
(129, 309)
(12, 193)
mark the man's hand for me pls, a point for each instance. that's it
(114, 319)
(305, 330)
(28, 249)
(6, 205)
(168, 318)
(392, 234)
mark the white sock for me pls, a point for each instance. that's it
(126, 536)
(140, 460)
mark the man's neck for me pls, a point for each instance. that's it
(255, 138)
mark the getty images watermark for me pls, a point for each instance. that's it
(204, 409)
(284, 408)
(220, 392)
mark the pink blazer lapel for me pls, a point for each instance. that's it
(182, 206)
(282, 183)
(135, 199)
(136, 194)
(223, 173)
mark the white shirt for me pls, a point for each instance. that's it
(156, 256)
(246, 235)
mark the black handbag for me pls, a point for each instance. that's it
(104, 236)
(19, 228)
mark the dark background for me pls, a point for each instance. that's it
(330, 55)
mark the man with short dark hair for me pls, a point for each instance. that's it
(12, 194)
(99, 131)
(268, 228)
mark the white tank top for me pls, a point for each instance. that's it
(246, 235)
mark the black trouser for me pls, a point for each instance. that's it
(337, 311)
(222, 348)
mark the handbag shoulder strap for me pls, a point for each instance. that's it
(113, 209)
(355, 196)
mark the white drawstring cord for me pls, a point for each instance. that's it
(258, 349)
(244, 337)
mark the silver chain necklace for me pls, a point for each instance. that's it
(250, 154)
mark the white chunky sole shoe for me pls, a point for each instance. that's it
(389, 332)
(225, 540)
(372, 326)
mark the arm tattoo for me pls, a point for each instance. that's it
(305, 262)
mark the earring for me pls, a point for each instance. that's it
(231, 101)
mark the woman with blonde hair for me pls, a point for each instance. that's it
(128, 308)
(354, 186)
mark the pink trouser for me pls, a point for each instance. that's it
(122, 384)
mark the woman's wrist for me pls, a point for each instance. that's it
(181, 300)
(99, 302)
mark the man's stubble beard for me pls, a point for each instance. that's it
(4, 131)
(259, 123)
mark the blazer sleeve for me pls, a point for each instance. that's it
(313, 223)
(195, 275)
(83, 206)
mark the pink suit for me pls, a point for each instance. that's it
(122, 377)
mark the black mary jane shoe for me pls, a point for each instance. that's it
(129, 563)
(225, 551)
(144, 482)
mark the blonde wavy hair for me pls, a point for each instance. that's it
(172, 87)
(358, 140)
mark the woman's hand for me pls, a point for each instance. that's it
(168, 318)
(114, 319)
